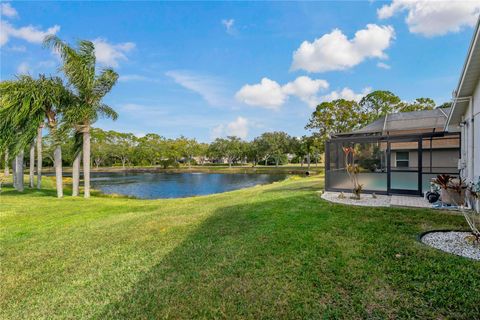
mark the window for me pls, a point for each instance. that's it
(402, 159)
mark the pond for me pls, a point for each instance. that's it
(176, 185)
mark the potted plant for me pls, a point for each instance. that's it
(456, 189)
(452, 190)
(442, 181)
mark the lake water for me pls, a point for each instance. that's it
(176, 185)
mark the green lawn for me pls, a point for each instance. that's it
(276, 251)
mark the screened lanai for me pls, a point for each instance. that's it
(397, 154)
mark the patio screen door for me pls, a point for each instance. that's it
(404, 166)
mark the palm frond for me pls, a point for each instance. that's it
(104, 82)
(108, 112)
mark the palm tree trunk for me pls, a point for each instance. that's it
(39, 157)
(76, 175)
(32, 164)
(57, 159)
(6, 171)
(19, 171)
(14, 172)
(86, 161)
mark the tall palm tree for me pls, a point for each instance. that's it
(32, 164)
(26, 104)
(80, 69)
(6, 171)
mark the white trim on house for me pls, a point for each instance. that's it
(465, 113)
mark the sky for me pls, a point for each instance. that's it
(212, 69)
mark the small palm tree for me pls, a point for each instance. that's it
(80, 69)
(25, 106)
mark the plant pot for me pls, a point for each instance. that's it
(451, 197)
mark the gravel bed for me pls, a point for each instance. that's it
(452, 242)
(365, 200)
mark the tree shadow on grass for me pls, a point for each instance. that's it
(225, 268)
(32, 192)
(292, 257)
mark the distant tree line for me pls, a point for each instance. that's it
(112, 148)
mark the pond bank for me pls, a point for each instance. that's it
(298, 170)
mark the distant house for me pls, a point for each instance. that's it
(398, 154)
(464, 117)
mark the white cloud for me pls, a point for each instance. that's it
(347, 94)
(210, 88)
(7, 10)
(334, 51)
(38, 67)
(218, 131)
(270, 95)
(17, 48)
(228, 23)
(47, 64)
(383, 65)
(433, 18)
(305, 89)
(134, 77)
(29, 33)
(23, 68)
(135, 109)
(238, 128)
(267, 94)
(109, 54)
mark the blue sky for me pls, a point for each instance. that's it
(196, 69)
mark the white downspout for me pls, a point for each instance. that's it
(471, 126)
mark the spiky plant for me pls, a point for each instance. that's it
(90, 87)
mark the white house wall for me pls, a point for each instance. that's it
(476, 126)
(471, 150)
(441, 159)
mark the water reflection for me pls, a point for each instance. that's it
(176, 185)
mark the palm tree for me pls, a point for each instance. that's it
(26, 104)
(6, 171)
(32, 164)
(79, 68)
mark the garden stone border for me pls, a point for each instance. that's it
(424, 233)
(366, 200)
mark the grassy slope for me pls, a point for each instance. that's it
(276, 251)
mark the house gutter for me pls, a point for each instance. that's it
(464, 71)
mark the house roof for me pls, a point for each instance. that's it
(468, 81)
(395, 122)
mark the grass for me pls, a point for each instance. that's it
(275, 251)
(293, 168)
